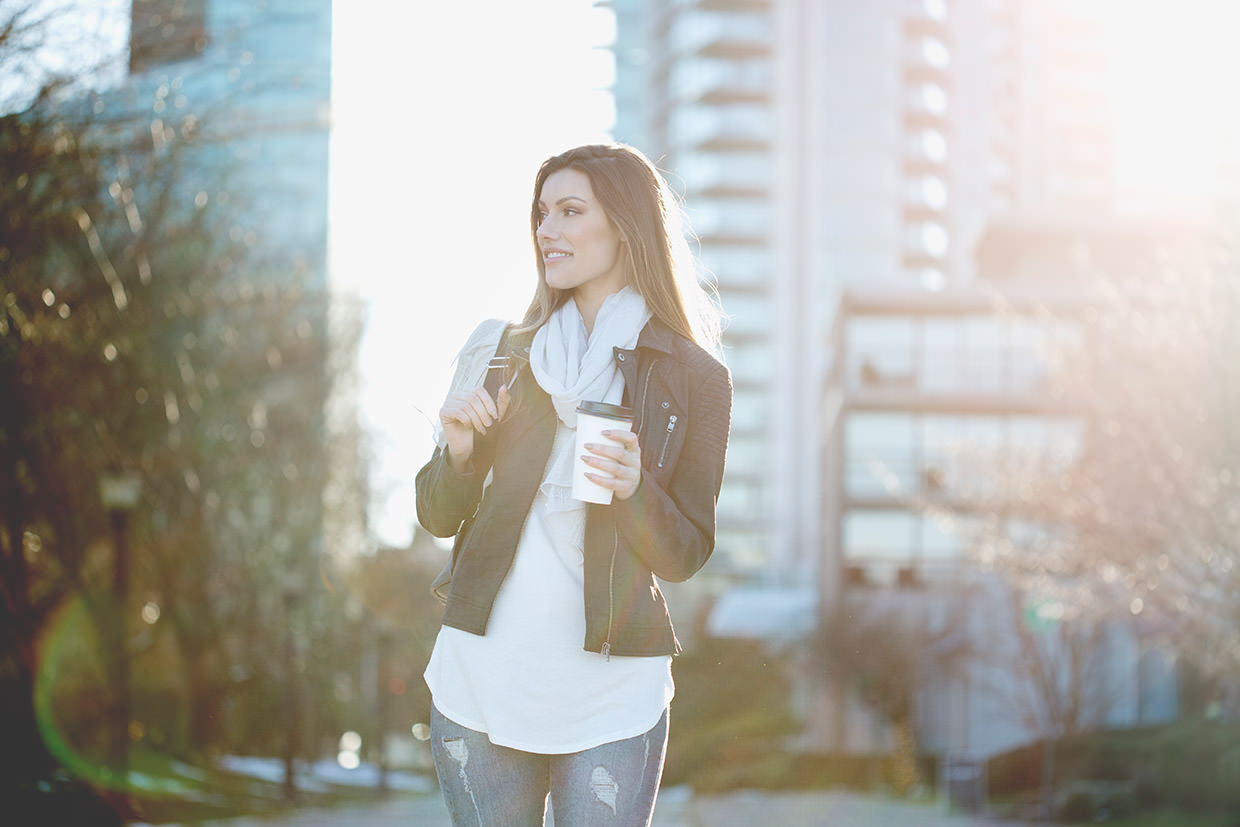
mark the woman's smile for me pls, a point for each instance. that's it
(581, 247)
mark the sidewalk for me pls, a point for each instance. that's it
(814, 809)
(677, 807)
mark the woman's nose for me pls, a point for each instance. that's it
(546, 228)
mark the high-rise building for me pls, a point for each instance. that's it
(832, 143)
(843, 163)
(255, 77)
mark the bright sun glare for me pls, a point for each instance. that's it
(1174, 66)
(442, 113)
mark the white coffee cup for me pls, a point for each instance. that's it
(592, 419)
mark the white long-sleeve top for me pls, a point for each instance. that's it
(528, 683)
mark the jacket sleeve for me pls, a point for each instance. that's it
(672, 529)
(446, 498)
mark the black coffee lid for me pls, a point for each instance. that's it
(605, 410)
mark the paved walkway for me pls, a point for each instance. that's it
(676, 808)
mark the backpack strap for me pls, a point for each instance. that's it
(495, 370)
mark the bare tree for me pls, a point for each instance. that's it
(1140, 527)
(1048, 667)
(885, 646)
(140, 328)
(1147, 517)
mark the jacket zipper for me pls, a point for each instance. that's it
(611, 590)
(667, 440)
(615, 546)
(641, 400)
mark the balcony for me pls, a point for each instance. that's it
(725, 175)
(926, 103)
(925, 150)
(925, 242)
(738, 267)
(751, 317)
(926, 16)
(720, 34)
(718, 81)
(927, 59)
(741, 127)
(925, 197)
(732, 221)
(724, 5)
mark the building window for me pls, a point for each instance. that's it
(742, 500)
(955, 355)
(952, 456)
(942, 536)
(885, 545)
(881, 352)
(985, 349)
(880, 450)
(880, 535)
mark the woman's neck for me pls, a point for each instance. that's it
(588, 305)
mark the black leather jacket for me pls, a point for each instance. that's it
(682, 397)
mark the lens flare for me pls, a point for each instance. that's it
(71, 692)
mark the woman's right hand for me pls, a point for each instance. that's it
(464, 413)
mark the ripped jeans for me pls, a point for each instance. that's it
(485, 785)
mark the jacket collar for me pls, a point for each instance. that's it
(655, 336)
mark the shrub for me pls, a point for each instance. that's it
(1189, 766)
(730, 716)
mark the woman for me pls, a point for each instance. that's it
(551, 675)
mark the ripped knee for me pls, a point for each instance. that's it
(457, 750)
(604, 787)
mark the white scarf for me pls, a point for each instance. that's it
(571, 365)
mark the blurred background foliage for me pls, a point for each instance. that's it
(141, 334)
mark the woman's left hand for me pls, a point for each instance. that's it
(621, 465)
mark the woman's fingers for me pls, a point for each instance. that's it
(620, 463)
(625, 454)
(627, 440)
(473, 408)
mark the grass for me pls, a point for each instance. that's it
(164, 790)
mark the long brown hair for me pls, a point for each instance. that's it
(638, 201)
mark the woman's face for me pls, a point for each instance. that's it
(580, 246)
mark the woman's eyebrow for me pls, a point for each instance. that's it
(565, 198)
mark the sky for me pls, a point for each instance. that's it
(442, 113)
(1174, 66)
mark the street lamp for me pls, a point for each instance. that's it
(120, 493)
(290, 597)
(382, 676)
